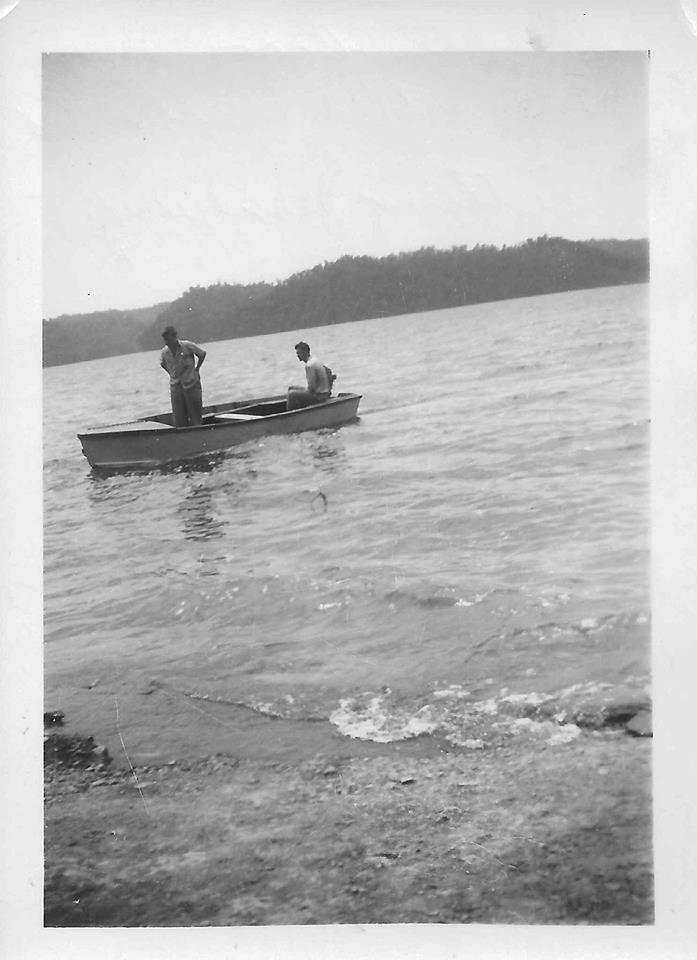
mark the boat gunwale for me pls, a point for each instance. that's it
(106, 430)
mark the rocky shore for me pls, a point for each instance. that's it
(522, 832)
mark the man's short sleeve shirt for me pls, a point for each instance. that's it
(181, 366)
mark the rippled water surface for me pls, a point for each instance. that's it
(483, 530)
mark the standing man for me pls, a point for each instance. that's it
(182, 360)
(319, 387)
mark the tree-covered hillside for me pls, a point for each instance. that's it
(88, 336)
(356, 288)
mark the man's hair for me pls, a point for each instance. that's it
(169, 332)
(302, 346)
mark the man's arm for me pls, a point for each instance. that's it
(200, 353)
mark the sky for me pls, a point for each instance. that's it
(164, 171)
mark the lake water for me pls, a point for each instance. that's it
(482, 539)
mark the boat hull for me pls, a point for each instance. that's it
(153, 441)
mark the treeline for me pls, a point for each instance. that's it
(88, 336)
(357, 288)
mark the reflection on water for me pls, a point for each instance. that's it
(328, 451)
(196, 512)
(110, 489)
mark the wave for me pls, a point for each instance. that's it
(537, 395)
(587, 626)
(429, 600)
(472, 711)
(510, 369)
(295, 707)
(453, 713)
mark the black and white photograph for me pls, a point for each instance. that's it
(362, 650)
(346, 413)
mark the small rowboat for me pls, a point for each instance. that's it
(154, 441)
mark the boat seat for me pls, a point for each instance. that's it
(237, 416)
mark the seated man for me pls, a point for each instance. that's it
(319, 381)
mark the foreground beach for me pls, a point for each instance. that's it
(526, 832)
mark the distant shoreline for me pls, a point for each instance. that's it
(241, 336)
(352, 289)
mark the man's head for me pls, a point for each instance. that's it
(169, 335)
(302, 349)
